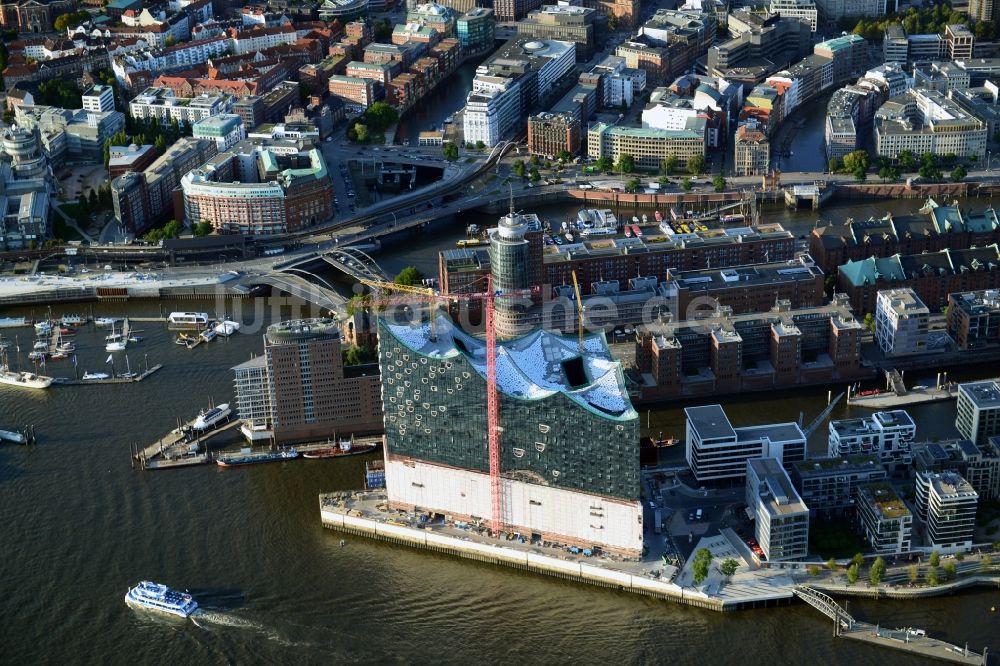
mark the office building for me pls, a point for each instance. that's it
(260, 188)
(828, 485)
(550, 134)
(521, 75)
(800, 9)
(226, 130)
(974, 318)
(475, 30)
(834, 10)
(960, 42)
(569, 456)
(923, 121)
(781, 518)
(98, 98)
(514, 10)
(885, 521)
(984, 10)
(901, 321)
(978, 411)
(649, 147)
(715, 450)
(300, 390)
(765, 42)
(888, 435)
(940, 76)
(568, 23)
(130, 158)
(744, 289)
(85, 131)
(25, 186)
(895, 46)
(752, 150)
(947, 504)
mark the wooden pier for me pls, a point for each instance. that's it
(173, 449)
(110, 380)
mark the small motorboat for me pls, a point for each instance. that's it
(106, 321)
(41, 344)
(37, 356)
(93, 376)
(135, 338)
(58, 356)
(115, 346)
(43, 327)
(66, 330)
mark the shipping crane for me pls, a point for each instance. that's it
(494, 428)
(579, 309)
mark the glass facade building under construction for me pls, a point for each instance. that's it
(566, 417)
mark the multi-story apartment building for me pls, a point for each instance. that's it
(828, 485)
(354, 91)
(885, 520)
(649, 147)
(715, 450)
(947, 504)
(978, 411)
(888, 435)
(162, 104)
(130, 158)
(901, 321)
(552, 133)
(98, 98)
(974, 318)
(984, 10)
(781, 518)
(300, 389)
(981, 466)
(260, 188)
(752, 150)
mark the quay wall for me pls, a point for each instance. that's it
(522, 560)
(887, 592)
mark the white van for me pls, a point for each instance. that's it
(697, 514)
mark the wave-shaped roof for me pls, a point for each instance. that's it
(531, 367)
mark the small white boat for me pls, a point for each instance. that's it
(41, 344)
(135, 338)
(36, 355)
(635, 219)
(570, 237)
(227, 328)
(208, 335)
(106, 321)
(92, 376)
(187, 319)
(127, 375)
(23, 379)
(43, 327)
(73, 320)
(160, 598)
(13, 322)
(12, 437)
(115, 346)
(65, 347)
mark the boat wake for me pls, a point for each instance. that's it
(208, 620)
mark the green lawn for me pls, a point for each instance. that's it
(835, 539)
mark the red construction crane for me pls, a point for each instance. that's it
(494, 429)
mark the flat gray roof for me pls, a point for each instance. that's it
(984, 395)
(776, 432)
(710, 422)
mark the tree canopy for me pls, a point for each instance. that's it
(409, 276)
(626, 163)
(696, 165)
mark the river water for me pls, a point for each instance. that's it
(79, 526)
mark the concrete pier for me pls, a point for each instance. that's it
(109, 380)
(922, 646)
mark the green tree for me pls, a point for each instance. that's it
(852, 574)
(360, 133)
(831, 564)
(626, 163)
(203, 228)
(907, 160)
(950, 571)
(913, 573)
(860, 174)
(857, 159)
(409, 276)
(533, 175)
(729, 567)
(355, 355)
(613, 21)
(696, 165)
(986, 563)
(877, 571)
(633, 185)
(604, 164)
(836, 164)
(668, 165)
(935, 558)
(170, 40)
(932, 576)
(534, 161)
(720, 183)
(663, 181)
(450, 151)
(869, 325)
(160, 145)
(564, 156)
(702, 562)
(686, 185)
(959, 173)
(960, 556)
(380, 116)
(813, 570)
(480, 145)
(518, 168)
(858, 559)
(172, 229)
(358, 302)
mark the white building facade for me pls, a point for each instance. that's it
(901, 321)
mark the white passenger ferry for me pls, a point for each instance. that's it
(196, 320)
(161, 598)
